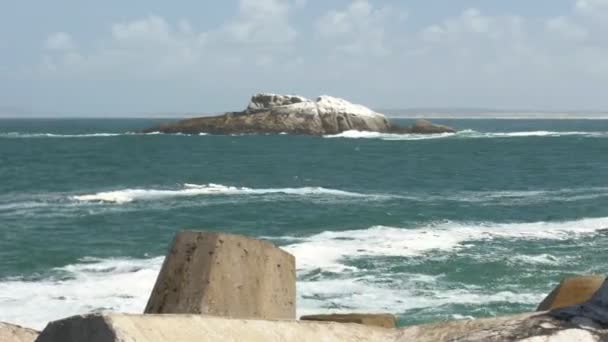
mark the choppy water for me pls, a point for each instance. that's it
(472, 224)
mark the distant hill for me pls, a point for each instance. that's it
(485, 113)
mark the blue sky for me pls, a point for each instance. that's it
(136, 57)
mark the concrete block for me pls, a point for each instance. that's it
(198, 328)
(378, 320)
(225, 275)
(572, 291)
(15, 333)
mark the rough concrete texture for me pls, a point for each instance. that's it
(572, 291)
(593, 310)
(15, 333)
(196, 328)
(225, 275)
(378, 320)
(531, 327)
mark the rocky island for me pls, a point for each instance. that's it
(293, 114)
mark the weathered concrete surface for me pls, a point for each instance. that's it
(225, 275)
(378, 320)
(531, 327)
(572, 291)
(15, 333)
(594, 310)
(195, 328)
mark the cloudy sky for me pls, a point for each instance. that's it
(117, 57)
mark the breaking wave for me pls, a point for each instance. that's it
(53, 135)
(189, 190)
(123, 285)
(464, 134)
(328, 250)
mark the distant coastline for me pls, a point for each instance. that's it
(390, 113)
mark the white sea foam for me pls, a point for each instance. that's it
(53, 135)
(464, 134)
(329, 250)
(387, 136)
(189, 190)
(358, 295)
(514, 197)
(539, 259)
(123, 285)
(26, 135)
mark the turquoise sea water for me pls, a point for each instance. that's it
(473, 224)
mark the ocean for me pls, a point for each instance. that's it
(479, 223)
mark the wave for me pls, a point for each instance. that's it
(388, 136)
(331, 250)
(92, 285)
(22, 135)
(325, 282)
(362, 295)
(53, 135)
(513, 197)
(464, 134)
(189, 190)
(95, 285)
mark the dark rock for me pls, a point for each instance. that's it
(422, 127)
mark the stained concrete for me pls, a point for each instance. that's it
(225, 275)
(378, 320)
(197, 328)
(572, 291)
(15, 333)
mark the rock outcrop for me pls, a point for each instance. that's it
(292, 114)
(422, 127)
(15, 333)
(376, 320)
(225, 275)
(270, 113)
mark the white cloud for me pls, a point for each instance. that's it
(471, 57)
(59, 41)
(591, 6)
(359, 29)
(566, 28)
(263, 22)
(473, 24)
(259, 35)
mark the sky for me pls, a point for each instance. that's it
(137, 57)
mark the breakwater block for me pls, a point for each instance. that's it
(15, 333)
(198, 328)
(225, 275)
(572, 291)
(378, 320)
